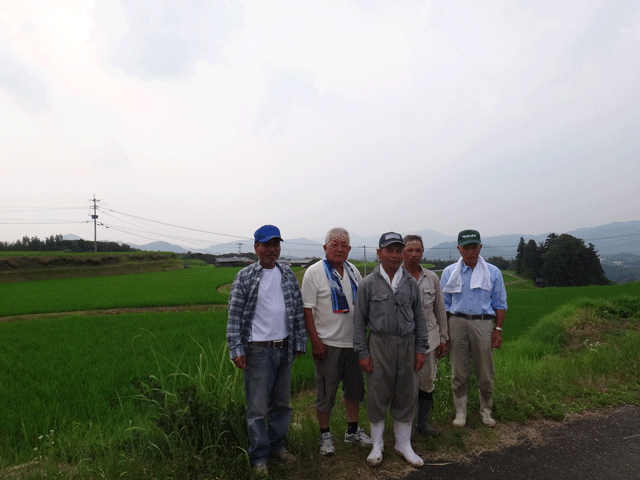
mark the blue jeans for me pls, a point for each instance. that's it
(267, 386)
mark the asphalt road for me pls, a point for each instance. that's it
(605, 447)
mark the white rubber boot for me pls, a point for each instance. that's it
(377, 431)
(402, 431)
(461, 411)
(486, 404)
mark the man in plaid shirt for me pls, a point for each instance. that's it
(265, 331)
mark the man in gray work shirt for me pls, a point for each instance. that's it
(389, 305)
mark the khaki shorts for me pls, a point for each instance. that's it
(340, 365)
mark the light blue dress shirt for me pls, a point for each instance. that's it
(476, 301)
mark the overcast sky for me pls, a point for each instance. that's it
(508, 117)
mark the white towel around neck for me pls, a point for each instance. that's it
(480, 278)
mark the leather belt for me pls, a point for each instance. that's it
(475, 317)
(274, 344)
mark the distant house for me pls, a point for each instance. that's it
(232, 261)
(302, 262)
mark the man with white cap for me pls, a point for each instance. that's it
(265, 330)
(389, 306)
(476, 303)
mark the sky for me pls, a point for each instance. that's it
(195, 122)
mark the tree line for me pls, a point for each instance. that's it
(560, 261)
(58, 244)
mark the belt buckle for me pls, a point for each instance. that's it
(277, 344)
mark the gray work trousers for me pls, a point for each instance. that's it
(392, 384)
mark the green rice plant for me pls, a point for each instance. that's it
(79, 369)
(194, 286)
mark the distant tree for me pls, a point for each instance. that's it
(438, 264)
(500, 262)
(519, 268)
(552, 238)
(531, 260)
(568, 262)
(57, 244)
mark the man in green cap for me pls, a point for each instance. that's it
(476, 303)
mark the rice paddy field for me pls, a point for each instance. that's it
(105, 391)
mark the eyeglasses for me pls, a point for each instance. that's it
(337, 245)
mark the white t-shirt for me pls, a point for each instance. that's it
(335, 329)
(269, 320)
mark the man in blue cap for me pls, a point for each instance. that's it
(389, 306)
(476, 303)
(265, 331)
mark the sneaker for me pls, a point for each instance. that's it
(358, 438)
(261, 469)
(285, 456)
(326, 444)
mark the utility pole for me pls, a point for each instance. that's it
(365, 260)
(239, 247)
(95, 229)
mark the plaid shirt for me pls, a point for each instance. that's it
(242, 308)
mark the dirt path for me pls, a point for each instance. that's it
(592, 446)
(115, 311)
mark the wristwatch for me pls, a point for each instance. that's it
(499, 328)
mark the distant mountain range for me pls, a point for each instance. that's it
(611, 239)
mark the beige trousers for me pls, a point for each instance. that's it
(471, 342)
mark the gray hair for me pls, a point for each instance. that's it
(335, 232)
(413, 238)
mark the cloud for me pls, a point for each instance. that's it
(21, 80)
(111, 156)
(163, 40)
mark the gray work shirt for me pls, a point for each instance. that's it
(387, 313)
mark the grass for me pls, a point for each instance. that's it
(154, 395)
(193, 286)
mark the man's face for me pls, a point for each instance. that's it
(391, 256)
(413, 252)
(337, 249)
(268, 252)
(470, 253)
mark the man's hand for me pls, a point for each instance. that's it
(366, 364)
(441, 350)
(240, 362)
(419, 362)
(319, 349)
(496, 338)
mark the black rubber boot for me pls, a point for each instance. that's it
(425, 402)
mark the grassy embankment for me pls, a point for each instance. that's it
(153, 395)
(30, 266)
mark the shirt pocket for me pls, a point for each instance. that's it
(404, 307)
(378, 305)
(428, 297)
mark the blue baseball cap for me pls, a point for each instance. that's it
(266, 233)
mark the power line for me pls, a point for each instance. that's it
(105, 210)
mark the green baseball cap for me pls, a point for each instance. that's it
(465, 237)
